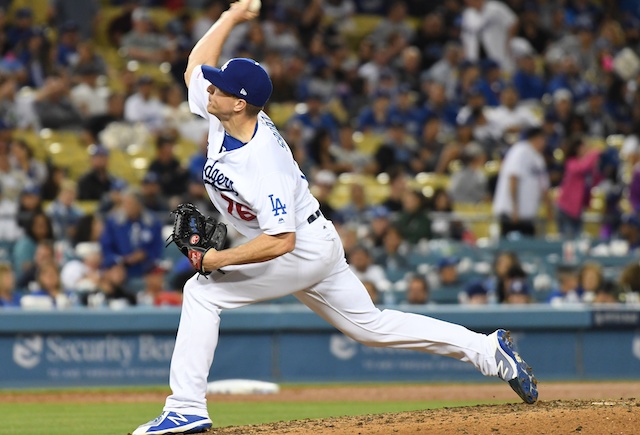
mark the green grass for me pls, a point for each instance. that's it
(122, 418)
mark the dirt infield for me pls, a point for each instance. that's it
(565, 408)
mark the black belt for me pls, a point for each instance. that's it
(314, 216)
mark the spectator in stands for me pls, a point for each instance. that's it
(532, 29)
(143, 43)
(523, 185)
(143, 106)
(575, 189)
(607, 294)
(88, 59)
(82, 275)
(630, 278)
(413, 221)
(16, 108)
(491, 82)
(155, 292)
(409, 70)
(112, 199)
(476, 293)
(448, 272)
(53, 105)
(12, 181)
(444, 73)
(380, 219)
(398, 149)
(568, 291)
(591, 281)
(417, 291)
(470, 185)
(68, 40)
(629, 230)
(315, 118)
(10, 231)
(178, 118)
(375, 118)
(394, 24)
(443, 222)
(487, 29)
(35, 55)
(88, 229)
(211, 11)
(505, 263)
(431, 39)
(518, 291)
(122, 23)
(171, 175)
(392, 255)
(51, 186)
(361, 264)
(64, 212)
(132, 237)
(356, 211)
(594, 113)
(151, 195)
(346, 157)
(21, 29)
(49, 293)
(529, 85)
(22, 160)
(84, 13)
(280, 34)
(319, 151)
(510, 117)
(322, 187)
(87, 97)
(397, 187)
(29, 203)
(197, 195)
(431, 148)
(38, 230)
(115, 290)
(98, 181)
(8, 296)
(95, 125)
(44, 254)
(569, 77)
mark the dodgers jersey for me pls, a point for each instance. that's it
(258, 186)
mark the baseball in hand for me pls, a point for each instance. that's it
(254, 5)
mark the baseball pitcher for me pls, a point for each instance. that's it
(255, 183)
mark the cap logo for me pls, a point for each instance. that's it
(243, 92)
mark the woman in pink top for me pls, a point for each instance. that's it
(575, 189)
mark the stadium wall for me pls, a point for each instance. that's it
(291, 344)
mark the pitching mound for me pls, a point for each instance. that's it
(552, 417)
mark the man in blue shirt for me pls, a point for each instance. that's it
(132, 237)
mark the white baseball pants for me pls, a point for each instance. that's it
(318, 275)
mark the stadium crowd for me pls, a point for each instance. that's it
(546, 91)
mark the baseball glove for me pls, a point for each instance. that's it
(195, 233)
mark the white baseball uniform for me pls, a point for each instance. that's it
(259, 188)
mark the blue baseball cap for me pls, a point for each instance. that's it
(242, 77)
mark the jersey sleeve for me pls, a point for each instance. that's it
(512, 164)
(275, 204)
(198, 95)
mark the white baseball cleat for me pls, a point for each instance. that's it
(170, 422)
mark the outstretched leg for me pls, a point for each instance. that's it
(342, 300)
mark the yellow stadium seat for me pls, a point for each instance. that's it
(280, 113)
(40, 9)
